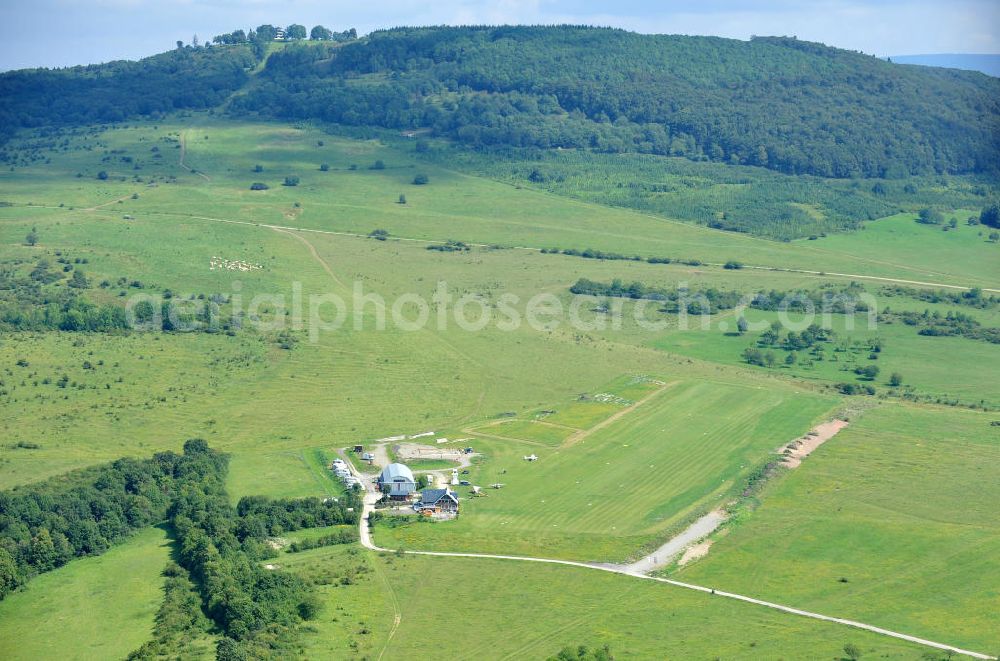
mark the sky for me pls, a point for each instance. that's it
(51, 33)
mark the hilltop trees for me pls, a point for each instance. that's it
(235, 37)
(320, 33)
(266, 32)
(295, 31)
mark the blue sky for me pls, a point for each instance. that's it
(64, 32)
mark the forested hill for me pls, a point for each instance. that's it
(788, 105)
(185, 78)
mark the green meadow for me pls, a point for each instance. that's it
(918, 358)
(893, 523)
(452, 206)
(525, 610)
(899, 503)
(94, 608)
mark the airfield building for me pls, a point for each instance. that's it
(439, 500)
(397, 481)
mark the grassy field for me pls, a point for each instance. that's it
(94, 608)
(917, 358)
(623, 486)
(744, 198)
(894, 522)
(596, 492)
(453, 206)
(504, 610)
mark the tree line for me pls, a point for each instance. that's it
(45, 525)
(712, 300)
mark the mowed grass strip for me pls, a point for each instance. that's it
(92, 608)
(618, 489)
(893, 522)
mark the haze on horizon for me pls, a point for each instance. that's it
(54, 33)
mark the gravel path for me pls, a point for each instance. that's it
(664, 555)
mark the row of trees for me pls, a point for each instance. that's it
(294, 32)
(711, 300)
(257, 609)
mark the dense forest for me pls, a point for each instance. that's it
(793, 106)
(773, 102)
(181, 79)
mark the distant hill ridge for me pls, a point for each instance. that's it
(775, 102)
(988, 64)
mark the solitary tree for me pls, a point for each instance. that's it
(402, 199)
(991, 215)
(896, 380)
(291, 180)
(325, 167)
(930, 217)
(420, 180)
(79, 280)
(742, 325)
(852, 651)
(869, 372)
(32, 237)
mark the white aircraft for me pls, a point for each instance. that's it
(498, 485)
(531, 457)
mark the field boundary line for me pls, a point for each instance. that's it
(584, 434)
(180, 161)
